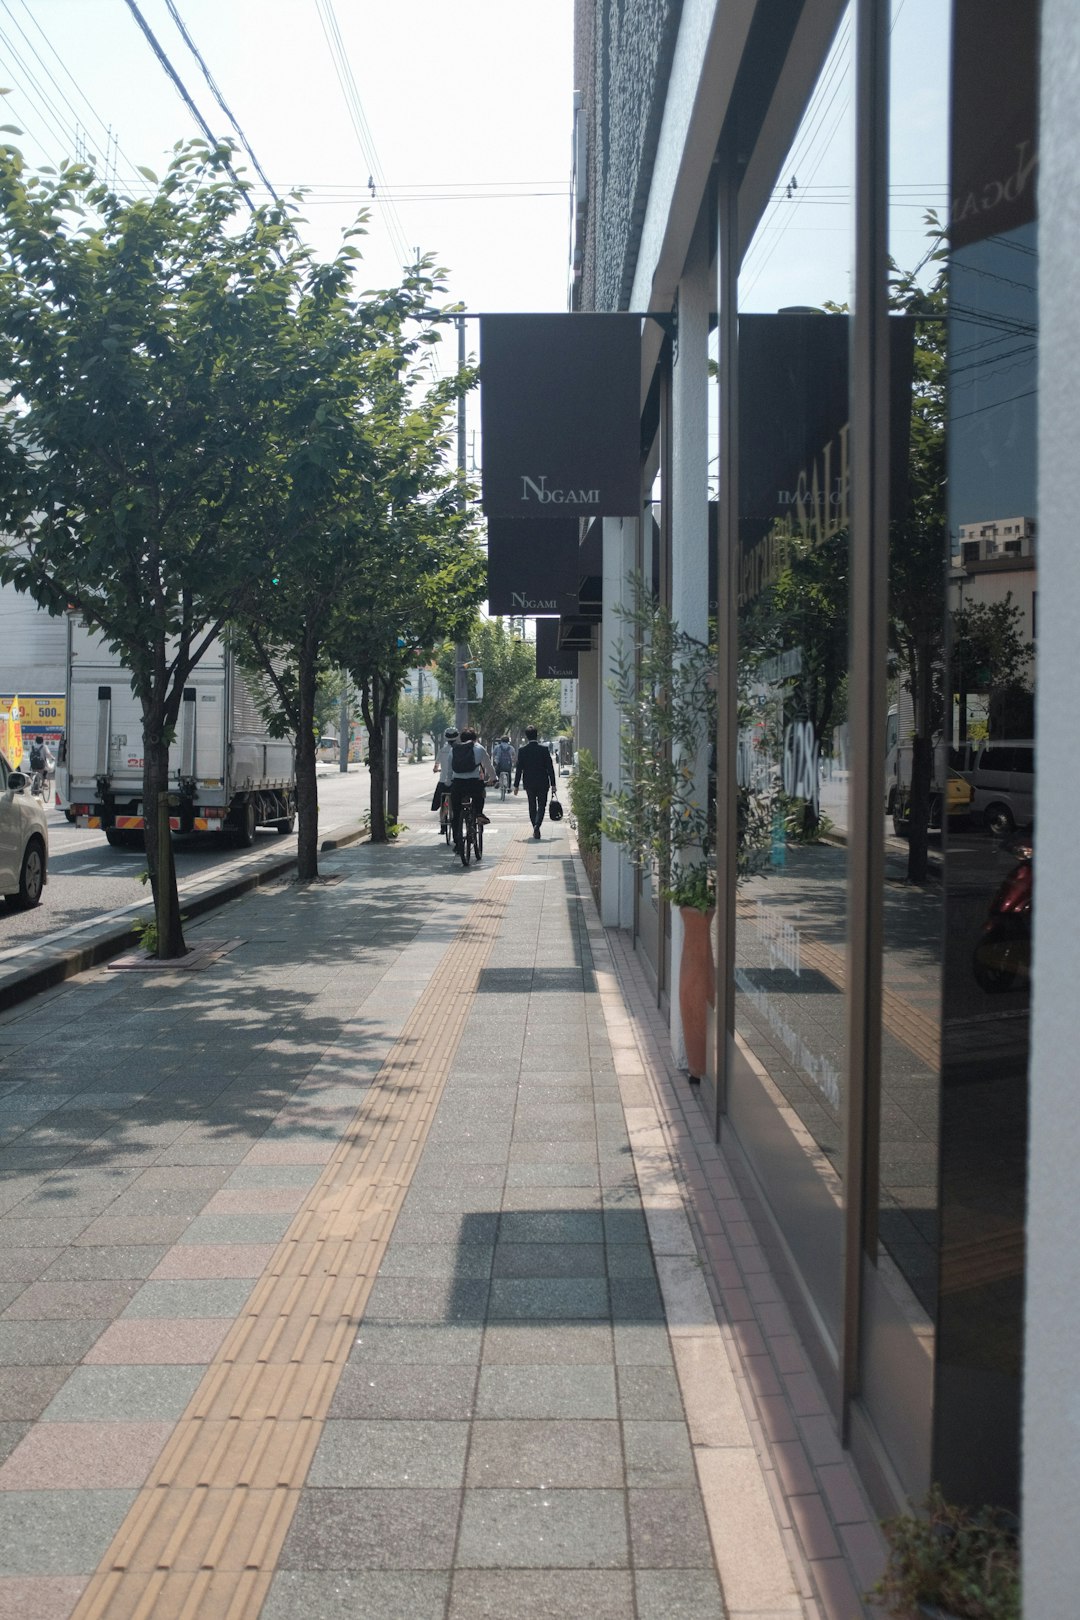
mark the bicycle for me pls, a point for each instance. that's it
(504, 784)
(472, 833)
(41, 784)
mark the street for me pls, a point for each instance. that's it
(88, 879)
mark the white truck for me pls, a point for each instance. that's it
(228, 774)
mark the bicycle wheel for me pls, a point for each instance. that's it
(504, 785)
(448, 825)
(478, 836)
(465, 849)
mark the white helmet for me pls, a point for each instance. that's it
(450, 733)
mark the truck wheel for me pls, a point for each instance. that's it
(121, 838)
(999, 820)
(245, 828)
(31, 878)
(285, 824)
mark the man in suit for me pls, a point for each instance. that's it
(536, 770)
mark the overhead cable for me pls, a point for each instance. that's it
(218, 97)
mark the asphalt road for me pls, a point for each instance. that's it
(88, 879)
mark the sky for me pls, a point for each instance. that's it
(458, 105)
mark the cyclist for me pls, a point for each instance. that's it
(470, 768)
(442, 771)
(503, 756)
(40, 760)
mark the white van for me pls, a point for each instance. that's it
(1003, 784)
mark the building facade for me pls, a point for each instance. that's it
(829, 212)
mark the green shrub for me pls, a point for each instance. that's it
(968, 1564)
(587, 802)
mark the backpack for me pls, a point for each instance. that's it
(37, 756)
(503, 756)
(463, 758)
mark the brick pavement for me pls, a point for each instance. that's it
(352, 1275)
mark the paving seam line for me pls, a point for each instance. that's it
(202, 1537)
(760, 1571)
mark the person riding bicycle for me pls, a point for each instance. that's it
(442, 770)
(470, 768)
(40, 760)
(503, 757)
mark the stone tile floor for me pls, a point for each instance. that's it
(572, 1389)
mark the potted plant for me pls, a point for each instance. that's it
(663, 683)
(948, 1563)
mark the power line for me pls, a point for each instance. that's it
(183, 92)
(218, 97)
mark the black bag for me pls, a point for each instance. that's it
(555, 811)
(437, 796)
(463, 758)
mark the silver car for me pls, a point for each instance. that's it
(24, 840)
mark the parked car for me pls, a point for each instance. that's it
(24, 840)
(1003, 781)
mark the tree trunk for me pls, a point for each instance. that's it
(307, 792)
(377, 771)
(159, 854)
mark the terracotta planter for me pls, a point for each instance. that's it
(697, 986)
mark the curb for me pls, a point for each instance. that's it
(56, 965)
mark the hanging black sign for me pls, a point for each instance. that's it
(553, 663)
(994, 158)
(560, 415)
(533, 567)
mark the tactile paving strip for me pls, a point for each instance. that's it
(202, 1538)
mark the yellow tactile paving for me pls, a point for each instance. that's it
(203, 1536)
(916, 1029)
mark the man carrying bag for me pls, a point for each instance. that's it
(535, 768)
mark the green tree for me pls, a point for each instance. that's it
(513, 696)
(357, 455)
(139, 343)
(990, 657)
(421, 719)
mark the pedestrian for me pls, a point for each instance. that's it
(535, 768)
(471, 768)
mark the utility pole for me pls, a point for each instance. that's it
(343, 724)
(461, 651)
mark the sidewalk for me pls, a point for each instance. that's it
(377, 1270)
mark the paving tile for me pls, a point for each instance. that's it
(25, 1265)
(540, 1594)
(811, 1520)
(551, 1226)
(429, 1226)
(549, 1260)
(192, 1261)
(64, 1456)
(650, 1393)
(508, 1529)
(42, 1597)
(679, 1594)
(115, 1394)
(539, 1344)
(668, 1530)
(10, 1435)
(58, 1532)
(427, 1299)
(219, 1296)
(233, 1229)
(70, 1301)
(25, 1392)
(117, 1262)
(658, 1454)
(377, 1454)
(549, 1297)
(158, 1341)
(449, 1344)
(437, 1260)
(372, 1529)
(552, 1175)
(41, 1232)
(372, 1595)
(630, 1262)
(383, 1390)
(642, 1344)
(550, 1454)
(47, 1344)
(261, 1175)
(546, 1392)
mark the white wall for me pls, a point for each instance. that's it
(616, 874)
(1052, 1371)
